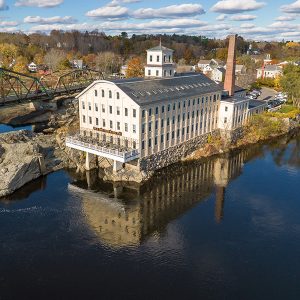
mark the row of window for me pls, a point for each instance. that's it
(184, 104)
(158, 58)
(111, 125)
(167, 137)
(110, 109)
(110, 94)
(157, 73)
(173, 119)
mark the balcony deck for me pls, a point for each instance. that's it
(122, 155)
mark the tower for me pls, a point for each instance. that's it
(160, 62)
(230, 66)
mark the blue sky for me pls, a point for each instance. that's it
(253, 19)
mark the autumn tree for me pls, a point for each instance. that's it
(135, 68)
(8, 54)
(290, 83)
(21, 65)
(53, 58)
(108, 62)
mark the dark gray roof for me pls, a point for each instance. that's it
(256, 103)
(144, 91)
(160, 48)
(236, 87)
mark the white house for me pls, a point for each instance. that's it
(269, 71)
(218, 74)
(32, 67)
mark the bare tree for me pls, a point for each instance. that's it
(53, 58)
(108, 62)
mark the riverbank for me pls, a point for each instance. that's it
(25, 155)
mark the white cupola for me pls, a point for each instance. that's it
(160, 62)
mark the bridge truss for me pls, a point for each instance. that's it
(15, 86)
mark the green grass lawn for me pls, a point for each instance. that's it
(286, 108)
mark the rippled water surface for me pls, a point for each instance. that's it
(223, 228)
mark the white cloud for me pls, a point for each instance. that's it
(118, 2)
(221, 17)
(3, 5)
(286, 18)
(247, 25)
(236, 6)
(109, 12)
(39, 3)
(243, 18)
(172, 11)
(291, 8)
(8, 23)
(51, 20)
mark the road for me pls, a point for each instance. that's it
(267, 94)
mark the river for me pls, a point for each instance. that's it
(220, 228)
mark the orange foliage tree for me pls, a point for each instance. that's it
(135, 68)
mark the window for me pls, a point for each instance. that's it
(198, 101)
(143, 113)
(102, 93)
(173, 120)
(169, 58)
(96, 93)
(150, 112)
(162, 138)
(193, 114)
(165, 73)
(134, 128)
(226, 108)
(126, 112)
(179, 105)
(165, 58)
(118, 110)
(173, 134)
(90, 120)
(168, 135)
(126, 127)
(183, 103)
(143, 145)
(109, 94)
(110, 109)
(118, 126)
(90, 106)
(189, 103)
(155, 141)
(178, 132)
(193, 101)
(174, 106)
(157, 73)
(156, 110)
(83, 118)
(162, 109)
(168, 121)
(170, 72)
(149, 126)
(103, 122)
(178, 118)
(97, 121)
(103, 108)
(149, 143)
(83, 105)
(156, 124)
(111, 124)
(183, 117)
(118, 95)
(169, 107)
(143, 128)
(225, 120)
(162, 123)
(188, 115)
(182, 131)
(96, 106)
(134, 113)
(149, 72)
(157, 58)
(150, 58)
(187, 129)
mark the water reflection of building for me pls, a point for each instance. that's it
(123, 216)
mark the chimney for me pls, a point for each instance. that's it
(230, 66)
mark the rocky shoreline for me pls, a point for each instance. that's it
(25, 155)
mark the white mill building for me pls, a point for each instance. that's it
(145, 118)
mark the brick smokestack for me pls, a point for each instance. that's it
(230, 66)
